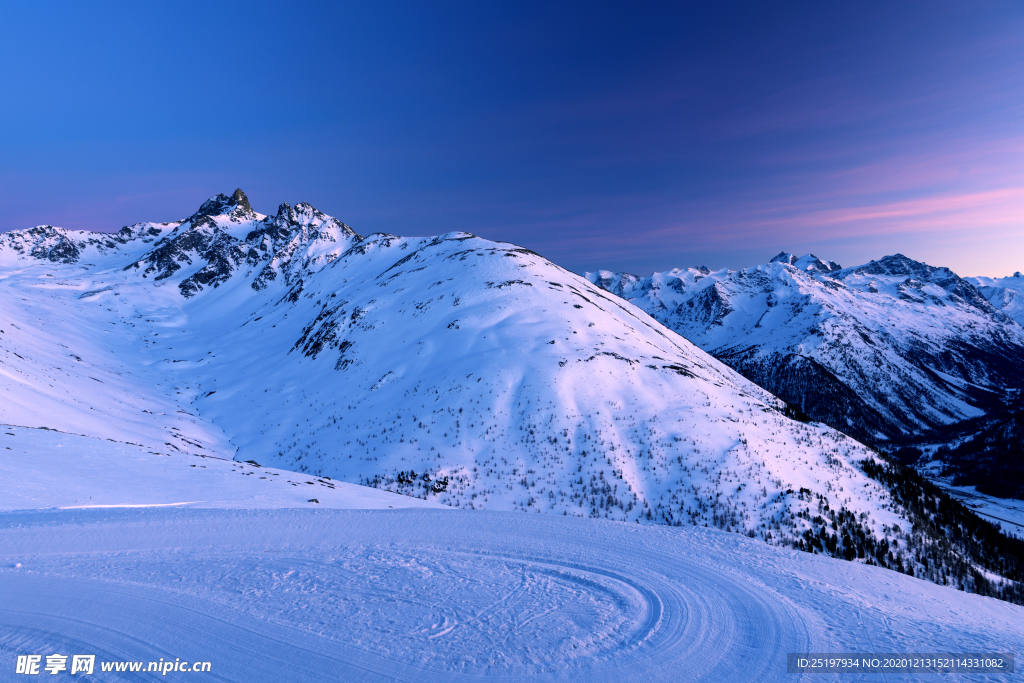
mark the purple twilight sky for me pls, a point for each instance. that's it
(626, 136)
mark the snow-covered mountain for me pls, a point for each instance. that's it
(1004, 293)
(884, 351)
(466, 371)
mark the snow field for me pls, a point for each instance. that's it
(78, 356)
(423, 595)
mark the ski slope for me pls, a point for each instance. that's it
(449, 595)
(132, 555)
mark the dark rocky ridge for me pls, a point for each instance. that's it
(58, 245)
(271, 242)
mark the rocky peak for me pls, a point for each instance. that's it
(290, 221)
(917, 273)
(898, 265)
(616, 283)
(236, 207)
(53, 244)
(301, 214)
(810, 262)
(806, 263)
(294, 240)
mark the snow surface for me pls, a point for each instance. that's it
(137, 567)
(419, 595)
(48, 469)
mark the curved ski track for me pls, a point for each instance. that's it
(450, 596)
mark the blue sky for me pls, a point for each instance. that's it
(623, 136)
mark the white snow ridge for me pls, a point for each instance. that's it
(191, 407)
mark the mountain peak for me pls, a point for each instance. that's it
(290, 213)
(236, 207)
(616, 283)
(897, 264)
(807, 262)
(240, 200)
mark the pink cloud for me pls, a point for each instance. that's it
(996, 206)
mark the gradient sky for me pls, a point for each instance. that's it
(627, 136)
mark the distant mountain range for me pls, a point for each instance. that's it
(481, 375)
(1004, 293)
(894, 352)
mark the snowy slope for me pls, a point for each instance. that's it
(463, 371)
(1004, 293)
(72, 363)
(886, 350)
(302, 595)
(50, 469)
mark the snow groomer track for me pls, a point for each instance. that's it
(297, 595)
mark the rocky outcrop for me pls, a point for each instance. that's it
(226, 235)
(294, 240)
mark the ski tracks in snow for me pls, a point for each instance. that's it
(437, 595)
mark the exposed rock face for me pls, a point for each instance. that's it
(64, 246)
(235, 208)
(294, 240)
(204, 237)
(224, 236)
(809, 262)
